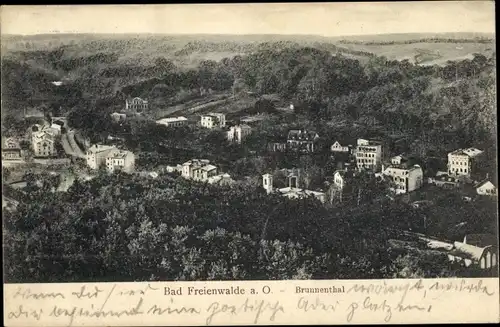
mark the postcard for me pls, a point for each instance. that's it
(249, 164)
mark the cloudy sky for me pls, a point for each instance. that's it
(327, 19)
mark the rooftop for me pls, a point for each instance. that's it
(197, 162)
(402, 166)
(118, 154)
(208, 167)
(366, 142)
(467, 251)
(298, 134)
(480, 184)
(96, 148)
(171, 119)
(298, 191)
(213, 114)
(471, 152)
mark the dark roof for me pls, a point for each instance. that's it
(297, 134)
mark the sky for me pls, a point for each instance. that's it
(326, 19)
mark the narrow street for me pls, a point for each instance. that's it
(70, 146)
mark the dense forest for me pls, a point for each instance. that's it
(126, 227)
(130, 228)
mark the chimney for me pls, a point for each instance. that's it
(267, 182)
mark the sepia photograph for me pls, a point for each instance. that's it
(249, 142)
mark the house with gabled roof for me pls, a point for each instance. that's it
(486, 188)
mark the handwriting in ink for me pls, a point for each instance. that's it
(476, 287)
(83, 293)
(383, 307)
(141, 291)
(305, 305)
(258, 307)
(158, 310)
(26, 294)
(21, 313)
(92, 312)
(387, 289)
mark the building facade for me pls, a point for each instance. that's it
(173, 121)
(120, 160)
(292, 191)
(486, 188)
(43, 144)
(368, 155)
(136, 105)
(238, 133)
(213, 120)
(302, 140)
(405, 179)
(337, 147)
(11, 149)
(96, 155)
(463, 161)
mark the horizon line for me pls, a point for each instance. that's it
(246, 34)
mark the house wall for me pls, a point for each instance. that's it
(487, 190)
(43, 148)
(369, 157)
(459, 164)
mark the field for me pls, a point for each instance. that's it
(189, 50)
(426, 53)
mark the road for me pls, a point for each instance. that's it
(69, 145)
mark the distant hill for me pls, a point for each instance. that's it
(188, 50)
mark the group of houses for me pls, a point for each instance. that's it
(42, 138)
(111, 158)
(201, 170)
(368, 155)
(133, 107)
(406, 176)
(234, 134)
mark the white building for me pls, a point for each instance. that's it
(301, 140)
(405, 179)
(213, 120)
(198, 170)
(461, 162)
(341, 178)
(173, 121)
(120, 160)
(292, 191)
(238, 133)
(43, 144)
(337, 147)
(56, 129)
(398, 160)
(368, 155)
(96, 155)
(202, 171)
(136, 105)
(486, 188)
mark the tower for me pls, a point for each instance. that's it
(267, 182)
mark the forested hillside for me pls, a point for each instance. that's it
(128, 227)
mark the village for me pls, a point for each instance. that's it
(54, 147)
